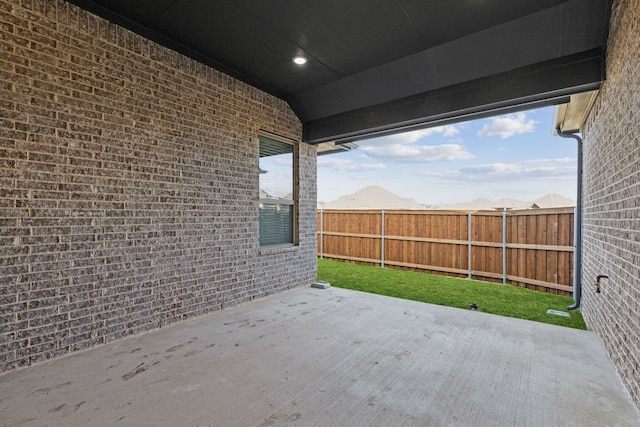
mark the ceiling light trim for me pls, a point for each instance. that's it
(300, 59)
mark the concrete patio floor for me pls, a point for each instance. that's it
(333, 357)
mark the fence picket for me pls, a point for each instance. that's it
(532, 248)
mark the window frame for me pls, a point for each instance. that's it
(294, 241)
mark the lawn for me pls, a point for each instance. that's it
(504, 300)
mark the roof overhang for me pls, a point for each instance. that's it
(540, 85)
(331, 147)
(571, 116)
(384, 66)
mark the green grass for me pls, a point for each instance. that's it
(492, 298)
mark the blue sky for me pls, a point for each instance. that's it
(514, 156)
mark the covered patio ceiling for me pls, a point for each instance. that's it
(380, 66)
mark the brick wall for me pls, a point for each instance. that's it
(128, 185)
(611, 206)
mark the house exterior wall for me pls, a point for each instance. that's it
(611, 200)
(128, 185)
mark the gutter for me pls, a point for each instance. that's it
(577, 234)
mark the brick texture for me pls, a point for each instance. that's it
(611, 205)
(128, 185)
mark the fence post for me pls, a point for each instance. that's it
(469, 244)
(321, 233)
(382, 242)
(504, 247)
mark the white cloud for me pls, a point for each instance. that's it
(402, 147)
(414, 135)
(410, 153)
(507, 126)
(497, 172)
(448, 130)
(517, 171)
(560, 160)
(492, 169)
(347, 165)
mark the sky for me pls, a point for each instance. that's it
(510, 156)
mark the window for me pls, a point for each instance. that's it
(276, 192)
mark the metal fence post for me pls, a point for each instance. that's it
(382, 242)
(321, 234)
(469, 244)
(504, 247)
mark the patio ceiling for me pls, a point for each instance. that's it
(379, 66)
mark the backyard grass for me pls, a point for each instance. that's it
(504, 300)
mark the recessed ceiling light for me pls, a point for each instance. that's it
(300, 60)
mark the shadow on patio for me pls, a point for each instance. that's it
(330, 357)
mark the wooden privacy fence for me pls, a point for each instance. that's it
(530, 248)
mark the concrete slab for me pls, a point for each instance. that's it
(332, 357)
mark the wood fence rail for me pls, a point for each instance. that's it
(530, 248)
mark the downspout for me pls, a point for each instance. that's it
(577, 234)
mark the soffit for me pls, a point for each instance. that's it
(571, 117)
(378, 66)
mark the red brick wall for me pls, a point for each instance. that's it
(128, 185)
(611, 200)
